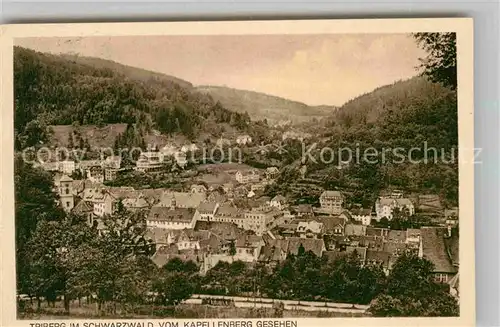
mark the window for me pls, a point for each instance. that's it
(67, 204)
(67, 191)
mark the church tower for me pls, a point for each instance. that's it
(66, 193)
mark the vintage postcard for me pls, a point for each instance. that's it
(238, 174)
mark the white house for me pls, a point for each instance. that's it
(67, 167)
(189, 148)
(171, 218)
(309, 229)
(331, 201)
(206, 211)
(243, 140)
(384, 207)
(364, 216)
(149, 161)
(180, 159)
(279, 202)
(272, 172)
(247, 176)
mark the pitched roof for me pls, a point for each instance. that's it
(310, 244)
(378, 257)
(167, 214)
(183, 199)
(361, 212)
(396, 235)
(331, 194)
(83, 207)
(279, 198)
(354, 229)
(65, 178)
(330, 222)
(434, 249)
(207, 207)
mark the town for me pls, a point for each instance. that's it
(229, 219)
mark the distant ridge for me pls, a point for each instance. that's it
(264, 106)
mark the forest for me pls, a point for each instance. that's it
(59, 90)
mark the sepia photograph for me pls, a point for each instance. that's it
(241, 175)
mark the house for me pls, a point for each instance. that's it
(273, 252)
(180, 159)
(112, 162)
(247, 176)
(84, 165)
(316, 246)
(278, 202)
(110, 174)
(272, 173)
(198, 188)
(303, 210)
(384, 207)
(95, 174)
(135, 203)
(331, 201)
(247, 247)
(149, 161)
(451, 217)
(206, 211)
(227, 213)
(379, 258)
(67, 167)
(398, 236)
(65, 190)
(333, 225)
(171, 218)
(455, 286)
(181, 199)
(105, 203)
(309, 229)
(413, 237)
(189, 148)
(355, 229)
(85, 209)
(260, 221)
(364, 216)
(433, 248)
(168, 150)
(243, 140)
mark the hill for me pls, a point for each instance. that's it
(129, 71)
(263, 106)
(64, 90)
(386, 124)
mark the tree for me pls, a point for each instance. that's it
(173, 288)
(70, 140)
(440, 65)
(412, 291)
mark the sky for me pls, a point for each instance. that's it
(327, 69)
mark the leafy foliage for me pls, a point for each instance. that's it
(440, 65)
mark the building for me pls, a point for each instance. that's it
(95, 174)
(105, 204)
(198, 188)
(309, 229)
(181, 199)
(168, 150)
(67, 167)
(227, 213)
(180, 159)
(85, 209)
(149, 161)
(65, 191)
(206, 211)
(110, 174)
(113, 162)
(171, 218)
(364, 216)
(278, 202)
(272, 172)
(247, 176)
(434, 247)
(333, 225)
(189, 148)
(331, 201)
(260, 221)
(384, 207)
(243, 140)
(295, 135)
(451, 217)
